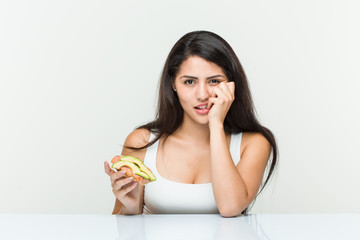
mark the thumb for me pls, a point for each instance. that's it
(108, 170)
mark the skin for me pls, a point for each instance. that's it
(208, 157)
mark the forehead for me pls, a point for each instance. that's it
(198, 66)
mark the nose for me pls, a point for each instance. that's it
(202, 92)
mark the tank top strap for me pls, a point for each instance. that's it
(150, 155)
(235, 144)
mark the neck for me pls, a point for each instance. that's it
(191, 131)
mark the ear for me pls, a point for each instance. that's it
(173, 85)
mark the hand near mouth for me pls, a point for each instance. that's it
(220, 102)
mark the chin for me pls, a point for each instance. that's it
(196, 119)
(202, 121)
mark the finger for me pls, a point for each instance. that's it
(116, 176)
(120, 183)
(210, 102)
(216, 101)
(225, 90)
(108, 169)
(129, 188)
(231, 86)
(221, 92)
(125, 190)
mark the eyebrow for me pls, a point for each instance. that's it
(215, 76)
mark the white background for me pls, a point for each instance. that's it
(77, 76)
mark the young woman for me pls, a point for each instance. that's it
(206, 147)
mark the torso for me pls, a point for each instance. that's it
(194, 169)
(183, 184)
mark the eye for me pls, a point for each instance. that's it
(214, 81)
(189, 82)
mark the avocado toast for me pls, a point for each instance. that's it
(134, 164)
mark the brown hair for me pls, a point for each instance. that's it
(241, 115)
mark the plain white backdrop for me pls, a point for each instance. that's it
(78, 76)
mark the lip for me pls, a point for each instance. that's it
(202, 110)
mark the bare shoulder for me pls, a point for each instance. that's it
(257, 143)
(255, 138)
(137, 138)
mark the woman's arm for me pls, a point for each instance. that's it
(235, 187)
(132, 202)
(117, 207)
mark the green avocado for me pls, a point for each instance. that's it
(141, 165)
(136, 170)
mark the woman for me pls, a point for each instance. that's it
(205, 124)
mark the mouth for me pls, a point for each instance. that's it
(202, 108)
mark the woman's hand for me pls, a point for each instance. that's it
(220, 102)
(125, 189)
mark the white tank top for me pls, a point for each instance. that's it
(167, 197)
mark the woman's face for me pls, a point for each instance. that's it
(194, 84)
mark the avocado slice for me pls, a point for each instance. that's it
(140, 164)
(136, 170)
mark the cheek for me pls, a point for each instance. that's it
(185, 99)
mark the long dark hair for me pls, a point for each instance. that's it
(241, 115)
